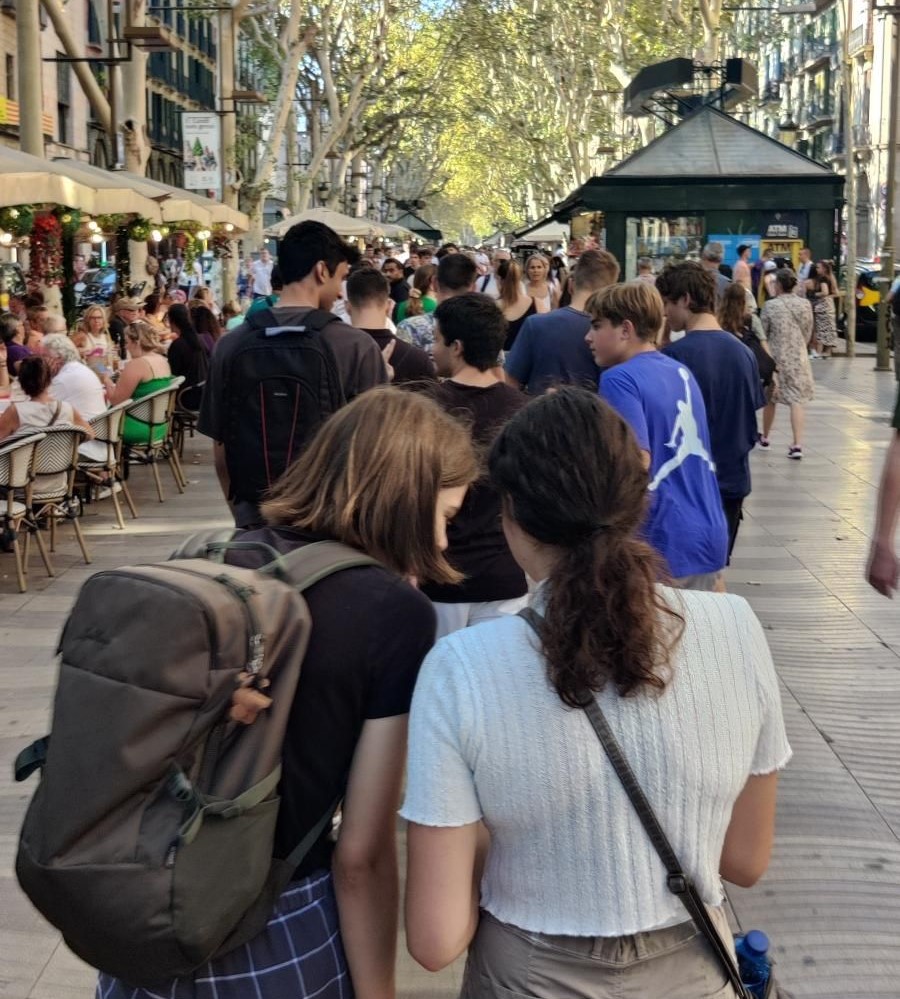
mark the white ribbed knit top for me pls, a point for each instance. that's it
(490, 739)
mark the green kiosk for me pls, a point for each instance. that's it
(709, 178)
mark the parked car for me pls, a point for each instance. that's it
(869, 286)
(96, 287)
(12, 277)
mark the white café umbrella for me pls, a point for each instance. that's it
(343, 225)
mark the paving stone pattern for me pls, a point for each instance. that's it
(831, 899)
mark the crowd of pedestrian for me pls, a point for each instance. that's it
(548, 464)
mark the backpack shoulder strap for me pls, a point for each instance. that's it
(315, 320)
(200, 544)
(305, 566)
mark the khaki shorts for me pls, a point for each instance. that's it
(673, 963)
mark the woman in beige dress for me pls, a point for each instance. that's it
(788, 322)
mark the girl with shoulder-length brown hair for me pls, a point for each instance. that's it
(373, 478)
(523, 846)
(382, 475)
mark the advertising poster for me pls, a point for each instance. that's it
(202, 138)
(731, 242)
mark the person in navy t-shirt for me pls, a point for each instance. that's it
(727, 374)
(661, 401)
(550, 348)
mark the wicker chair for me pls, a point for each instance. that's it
(152, 412)
(17, 475)
(56, 455)
(107, 429)
(185, 421)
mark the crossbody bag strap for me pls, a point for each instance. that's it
(677, 881)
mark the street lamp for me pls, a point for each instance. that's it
(788, 130)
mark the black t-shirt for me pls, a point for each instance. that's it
(477, 545)
(350, 674)
(399, 290)
(410, 363)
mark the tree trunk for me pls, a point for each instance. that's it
(82, 70)
(294, 46)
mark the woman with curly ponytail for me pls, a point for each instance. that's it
(523, 846)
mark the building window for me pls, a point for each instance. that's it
(63, 101)
(93, 25)
(11, 77)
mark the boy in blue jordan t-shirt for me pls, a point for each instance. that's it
(662, 403)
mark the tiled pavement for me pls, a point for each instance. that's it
(831, 900)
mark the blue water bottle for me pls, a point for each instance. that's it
(753, 961)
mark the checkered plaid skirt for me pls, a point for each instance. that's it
(298, 955)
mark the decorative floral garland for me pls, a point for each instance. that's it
(70, 220)
(140, 230)
(17, 220)
(46, 250)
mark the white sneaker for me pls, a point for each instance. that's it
(106, 491)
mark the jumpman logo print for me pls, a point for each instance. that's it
(690, 444)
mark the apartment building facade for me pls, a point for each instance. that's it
(801, 84)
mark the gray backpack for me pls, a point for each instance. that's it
(148, 842)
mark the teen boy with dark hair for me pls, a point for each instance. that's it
(368, 297)
(727, 374)
(469, 335)
(262, 376)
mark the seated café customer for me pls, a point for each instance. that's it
(146, 372)
(523, 846)
(205, 323)
(124, 311)
(12, 333)
(93, 340)
(74, 382)
(188, 355)
(39, 411)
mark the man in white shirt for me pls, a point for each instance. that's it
(804, 271)
(75, 383)
(488, 285)
(261, 275)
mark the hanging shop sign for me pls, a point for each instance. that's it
(202, 138)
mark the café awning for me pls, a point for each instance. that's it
(174, 205)
(30, 180)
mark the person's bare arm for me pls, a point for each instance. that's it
(80, 421)
(882, 568)
(751, 832)
(129, 379)
(442, 890)
(365, 859)
(9, 423)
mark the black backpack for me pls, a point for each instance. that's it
(281, 386)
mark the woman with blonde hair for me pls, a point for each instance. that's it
(515, 303)
(539, 284)
(92, 337)
(333, 932)
(422, 298)
(146, 371)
